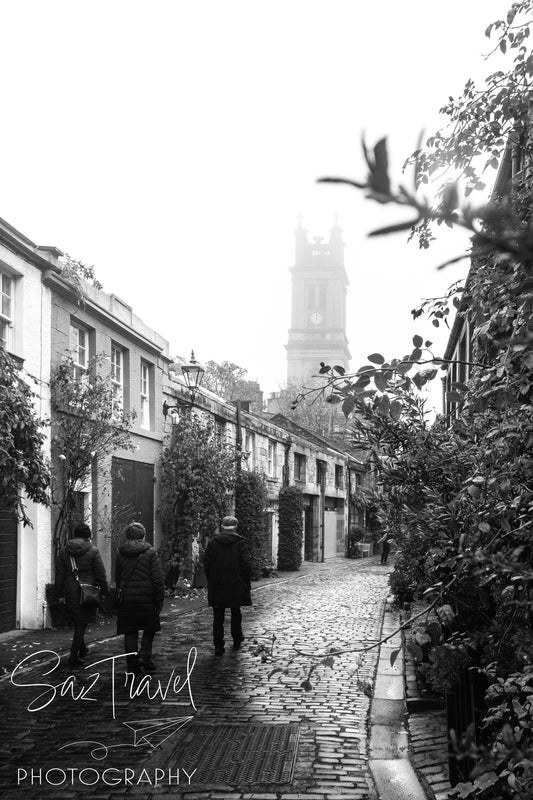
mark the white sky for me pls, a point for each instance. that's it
(172, 145)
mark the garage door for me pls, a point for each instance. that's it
(330, 534)
(8, 570)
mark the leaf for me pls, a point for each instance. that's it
(379, 171)
(324, 369)
(339, 369)
(404, 367)
(384, 405)
(348, 406)
(486, 780)
(416, 355)
(416, 651)
(394, 655)
(417, 341)
(273, 672)
(376, 358)
(380, 381)
(396, 409)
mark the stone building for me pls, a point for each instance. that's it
(25, 304)
(124, 487)
(288, 454)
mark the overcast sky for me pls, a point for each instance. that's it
(173, 144)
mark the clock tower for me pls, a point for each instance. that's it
(318, 314)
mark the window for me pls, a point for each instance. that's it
(339, 477)
(117, 374)
(299, 467)
(145, 395)
(271, 459)
(321, 472)
(6, 309)
(79, 350)
(249, 447)
(220, 430)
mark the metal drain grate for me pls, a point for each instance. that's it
(237, 754)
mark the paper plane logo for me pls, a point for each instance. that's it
(146, 732)
(155, 731)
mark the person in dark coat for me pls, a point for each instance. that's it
(139, 574)
(227, 569)
(90, 570)
(385, 542)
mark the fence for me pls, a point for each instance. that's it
(465, 707)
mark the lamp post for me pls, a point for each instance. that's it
(193, 372)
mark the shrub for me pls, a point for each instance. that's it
(250, 503)
(290, 528)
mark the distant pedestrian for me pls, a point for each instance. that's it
(140, 590)
(227, 568)
(385, 542)
(79, 562)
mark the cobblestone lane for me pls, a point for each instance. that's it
(239, 698)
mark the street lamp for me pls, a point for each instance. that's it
(193, 372)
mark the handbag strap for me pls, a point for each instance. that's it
(74, 568)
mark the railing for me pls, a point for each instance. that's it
(465, 707)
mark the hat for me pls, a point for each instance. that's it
(135, 531)
(229, 522)
(82, 531)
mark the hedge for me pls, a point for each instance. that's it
(291, 508)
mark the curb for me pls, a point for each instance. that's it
(390, 765)
(428, 743)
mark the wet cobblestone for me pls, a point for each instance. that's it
(337, 606)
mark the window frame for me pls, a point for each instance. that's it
(271, 458)
(7, 319)
(145, 404)
(300, 467)
(117, 384)
(80, 367)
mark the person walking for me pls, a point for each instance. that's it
(227, 567)
(140, 584)
(385, 542)
(79, 562)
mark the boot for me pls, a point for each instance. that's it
(74, 660)
(133, 665)
(145, 661)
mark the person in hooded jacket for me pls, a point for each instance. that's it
(138, 572)
(227, 567)
(90, 570)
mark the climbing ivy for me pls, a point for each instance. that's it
(290, 528)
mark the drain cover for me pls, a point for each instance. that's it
(237, 754)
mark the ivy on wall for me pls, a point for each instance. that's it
(290, 528)
(250, 503)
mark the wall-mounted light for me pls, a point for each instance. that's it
(193, 372)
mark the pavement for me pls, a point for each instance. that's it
(301, 710)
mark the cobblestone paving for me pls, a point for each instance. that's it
(338, 606)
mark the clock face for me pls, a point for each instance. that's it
(316, 318)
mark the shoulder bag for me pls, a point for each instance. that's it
(90, 596)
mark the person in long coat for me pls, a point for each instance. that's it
(227, 567)
(139, 574)
(90, 570)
